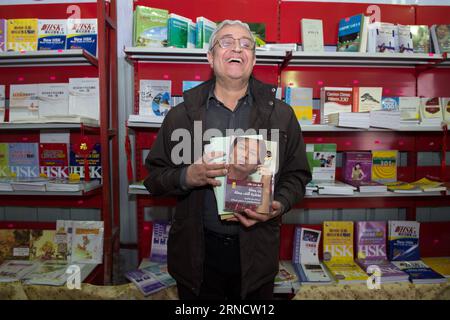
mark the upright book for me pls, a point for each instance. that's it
(24, 159)
(366, 99)
(387, 38)
(160, 237)
(52, 34)
(404, 240)
(421, 38)
(43, 245)
(54, 160)
(84, 97)
(305, 257)
(22, 35)
(87, 242)
(53, 99)
(384, 165)
(352, 35)
(23, 102)
(312, 35)
(440, 34)
(357, 167)
(82, 34)
(334, 100)
(154, 99)
(3, 34)
(322, 160)
(150, 27)
(2, 103)
(301, 101)
(371, 251)
(14, 244)
(405, 41)
(205, 28)
(338, 252)
(177, 31)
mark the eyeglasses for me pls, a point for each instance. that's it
(228, 42)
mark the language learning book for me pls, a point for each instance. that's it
(87, 242)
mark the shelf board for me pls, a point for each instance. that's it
(182, 55)
(89, 190)
(300, 58)
(137, 191)
(132, 124)
(38, 126)
(72, 57)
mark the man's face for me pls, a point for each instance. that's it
(232, 63)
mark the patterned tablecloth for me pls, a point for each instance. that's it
(398, 291)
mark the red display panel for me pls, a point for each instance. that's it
(430, 15)
(434, 240)
(57, 11)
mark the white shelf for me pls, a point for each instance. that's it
(39, 126)
(72, 57)
(182, 55)
(300, 58)
(132, 124)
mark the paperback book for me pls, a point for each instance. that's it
(87, 242)
(366, 99)
(53, 99)
(14, 270)
(154, 98)
(357, 167)
(421, 38)
(419, 272)
(352, 35)
(312, 35)
(404, 240)
(22, 35)
(3, 33)
(301, 101)
(82, 34)
(150, 27)
(334, 100)
(440, 34)
(14, 244)
(54, 160)
(52, 34)
(2, 103)
(144, 281)
(160, 237)
(384, 165)
(43, 245)
(84, 97)
(24, 159)
(439, 264)
(322, 160)
(23, 102)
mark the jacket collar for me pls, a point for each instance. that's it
(264, 95)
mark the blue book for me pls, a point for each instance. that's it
(82, 34)
(352, 35)
(94, 160)
(187, 85)
(403, 241)
(390, 103)
(419, 272)
(24, 159)
(52, 34)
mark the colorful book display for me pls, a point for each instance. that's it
(384, 165)
(52, 34)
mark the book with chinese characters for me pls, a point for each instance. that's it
(387, 38)
(52, 34)
(150, 27)
(22, 35)
(366, 99)
(76, 162)
(357, 167)
(84, 97)
(405, 42)
(371, 250)
(144, 281)
(4, 160)
(160, 237)
(177, 31)
(23, 102)
(2, 103)
(352, 35)
(404, 240)
(3, 34)
(24, 159)
(312, 35)
(334, 100)
(251, 172)
(301, 101)
(53, 99)
(338, 252)
(419, 272)
(205, 28)
(54, 160)
(82, 34)
(87, 242)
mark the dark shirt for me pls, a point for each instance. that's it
(218, 116)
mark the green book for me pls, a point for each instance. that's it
(177, 31)
(150, 27)
(4, 160)
(205, 28)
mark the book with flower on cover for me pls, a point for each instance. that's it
(250, 179)
(371, 250)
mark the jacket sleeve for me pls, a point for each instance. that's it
(294, 171)
(165, 178)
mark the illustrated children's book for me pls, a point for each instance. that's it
(87, 241)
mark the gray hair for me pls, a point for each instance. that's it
(225, 23)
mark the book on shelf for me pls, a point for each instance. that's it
(37, 184)
(419, 272)
(192, 34)
(371, 251)
(159, 271)
(431, 111)
(67, 185)
(150, 27)
(445, 102)
(359, 120)
(84, 97)
(87, 242)
(54, 160)
(384, 165)
(357, 166)
(177, 31)
(387, 38)
(322, 160)
(305, 257)
(5, 171)
(405, 40)
(63, 239)
(301, 101)
(385, 119)
(428, 185)
(403, 187)
(421, 38)
(72, 119)
(93, 159)
(24, 102)
(312, 35)
(43, 245)
(54, 273)
(409, 108)
(2, 102)
(52, 34)
(189, 84)
(352, 34)
(53, 99)
(368, 186)
(335, 187)
(334, 100)
(278, 47)
(15, 270)
(403, 240)
(286, 280)
(338, 252)
(5, 184)
(3, 33)
(82, 34)
(205, 28)
(154, 99)
(24, 159)
(14, 244)
(366, 99)
(439, 264)
(440, 35)
(137, 185)
(22, 35)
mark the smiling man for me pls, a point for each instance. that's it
(210, 258)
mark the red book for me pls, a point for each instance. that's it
(54, 160)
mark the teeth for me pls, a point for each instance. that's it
(235, 60)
